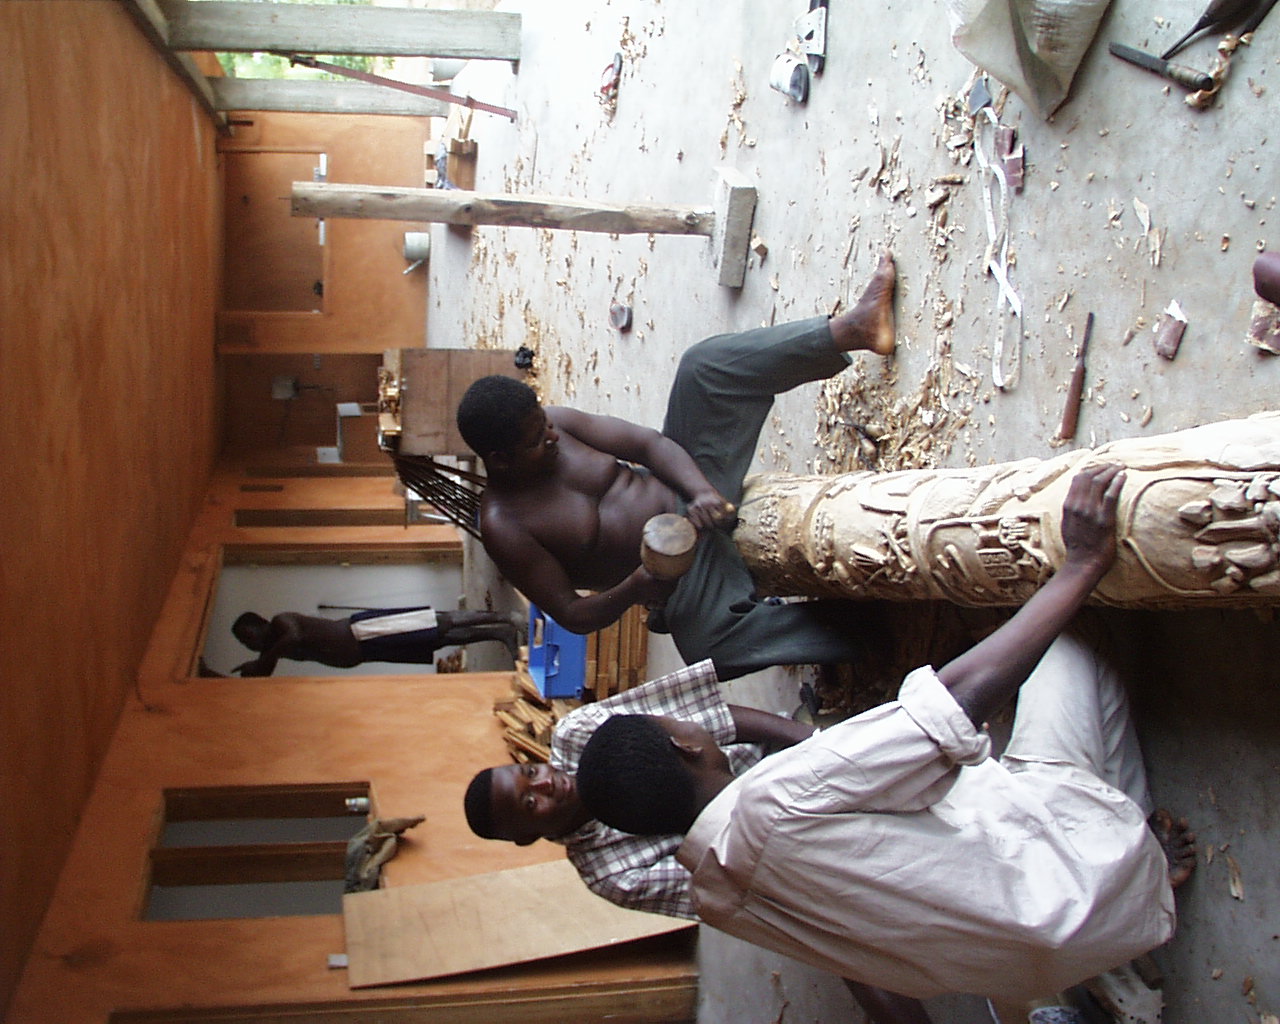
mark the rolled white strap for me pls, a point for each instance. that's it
(389, 625)
(997, 255)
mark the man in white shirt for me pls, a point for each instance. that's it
(891, 849)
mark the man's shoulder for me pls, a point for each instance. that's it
(500, 511)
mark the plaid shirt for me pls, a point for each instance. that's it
(641, 872)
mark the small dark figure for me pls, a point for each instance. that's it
(401, 635)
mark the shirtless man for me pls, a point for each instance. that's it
(569, 492)
(399, 635)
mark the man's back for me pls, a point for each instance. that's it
(314, 638)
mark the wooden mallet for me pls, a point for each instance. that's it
(668, 543)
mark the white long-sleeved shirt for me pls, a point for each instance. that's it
(891, 849)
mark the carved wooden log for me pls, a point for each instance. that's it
(1198, 520)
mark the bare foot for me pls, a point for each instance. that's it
(1178, 843)
(870, 326)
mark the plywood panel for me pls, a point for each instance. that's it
(415, 932)
(273, 260)
(109, 270)
(432, 382)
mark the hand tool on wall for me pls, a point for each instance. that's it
(1219, 14)
(1075, 390)
(1188, 78)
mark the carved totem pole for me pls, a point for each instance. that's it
(1198, 521)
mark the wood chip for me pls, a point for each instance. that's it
(1235, 882)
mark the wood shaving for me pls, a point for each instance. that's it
(1235, 882)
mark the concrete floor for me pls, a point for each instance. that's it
(840, 178)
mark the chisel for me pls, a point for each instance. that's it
(1188, 78)
(1075, 390)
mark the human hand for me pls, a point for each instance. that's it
(247, 669)
(708, 509)
(1089, 516)
(652, 591)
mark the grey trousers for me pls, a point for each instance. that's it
(723, 391)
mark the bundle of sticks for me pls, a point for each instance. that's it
(527, 717)
(616, 657)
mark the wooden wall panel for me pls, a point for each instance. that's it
(110, 227)
(370, 304)
(256, 422)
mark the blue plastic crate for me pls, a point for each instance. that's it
(557, 658)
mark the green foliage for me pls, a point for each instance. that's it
(270, 65)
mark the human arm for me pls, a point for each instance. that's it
(988, 674)
(540, 576)
(705, 506)
(752, 725)
(639, 873)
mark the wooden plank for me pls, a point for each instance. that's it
(433, 381)
(319, 517)
(607, 664)
(320, 97)
(416, 932)
(519, 740)
(215, 803)
(637, 668)
(341, 28)
(150, 19)
(339, 554)
(593, 663)
(313, 469)
(457, 206)
(629, 999)
(233, 865)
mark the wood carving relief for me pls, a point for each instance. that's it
(1199, 520)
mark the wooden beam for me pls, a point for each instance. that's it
(340, 555)
(216, 803)
(284, 471)
(455, 206)
(341, 28)
(320, 516)
(627, 1000)
(260, 862)
(148, 16)
(320, 97)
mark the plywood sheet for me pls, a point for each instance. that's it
(415, 932)
(433, 381)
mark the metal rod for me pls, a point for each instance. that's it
(391, 83)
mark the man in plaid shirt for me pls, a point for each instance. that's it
(526, 802)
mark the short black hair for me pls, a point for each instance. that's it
(478, 804)
(492, 412)
(246, 626)
(632, 778)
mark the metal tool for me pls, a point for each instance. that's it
(1188, 78)
(1219, 14)
(1075, 390)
